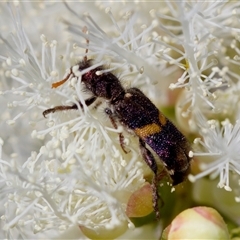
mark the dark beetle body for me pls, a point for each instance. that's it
(135, 111)
(105, 85)
(156, 131)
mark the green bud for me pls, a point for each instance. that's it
(197, 223)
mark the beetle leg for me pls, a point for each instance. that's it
(149, 159)
(109, 112)
(88, 102)
(157, 200)
(147, 156)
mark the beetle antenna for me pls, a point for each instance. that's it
(59, 83)
(85, 30)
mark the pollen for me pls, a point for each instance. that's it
(128, 95)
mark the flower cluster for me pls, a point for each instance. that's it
(66, 175)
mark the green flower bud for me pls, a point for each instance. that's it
(197, 223)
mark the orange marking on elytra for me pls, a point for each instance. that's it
(147, 130)
(162, 119)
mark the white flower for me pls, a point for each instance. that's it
(220, 144)
(196, 38)
(71, 174)
(67, 173)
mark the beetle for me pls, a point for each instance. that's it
(134, 110)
